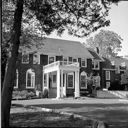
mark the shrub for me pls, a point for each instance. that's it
(45, 93)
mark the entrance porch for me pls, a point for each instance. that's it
(59, 76)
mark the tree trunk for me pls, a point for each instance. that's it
(9, 77)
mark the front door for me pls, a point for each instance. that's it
(70, 84)
(53, 85)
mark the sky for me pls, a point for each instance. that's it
(119, 24)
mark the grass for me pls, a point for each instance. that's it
(46, 119)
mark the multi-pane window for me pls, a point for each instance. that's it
(51, 59)
(107, 75)
(45, 80)
(16, 80)
(25, 58)
(95, 64)
(30, 78)
(74, 60)
(83, 80)
(83, 63)
(65, 60)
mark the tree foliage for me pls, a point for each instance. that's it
(108, 42)
(80, 18)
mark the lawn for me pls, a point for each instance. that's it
(113, 112)
(27, 117)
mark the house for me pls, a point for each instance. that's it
(60, 66)
(112, 68)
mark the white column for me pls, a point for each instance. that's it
(64, 89)
(61, 83)
(58, 83)
(48, 81)
(77, 88)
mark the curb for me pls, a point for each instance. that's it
(94, 123)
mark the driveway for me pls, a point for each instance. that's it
(112, 111)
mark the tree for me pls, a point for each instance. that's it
(124, 79)
(79, 17)
(108, 43)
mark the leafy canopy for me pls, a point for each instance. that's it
(108, 42)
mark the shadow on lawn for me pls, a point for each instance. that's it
(116, 115)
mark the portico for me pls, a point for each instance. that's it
(56, 74)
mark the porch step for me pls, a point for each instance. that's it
(112, 94)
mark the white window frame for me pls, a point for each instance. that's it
(32, 75)
(107, 84)
(17, 79)
(85, 63)
(53, 57)
(27, 58)
(73, 80)
(95, 65)
(107, 73)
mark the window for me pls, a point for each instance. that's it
(25, 58)
(16, 80)
(83, 63)
(65, 60)
(107, 75)
(70, 80)
(30, 78)
(107, 85)
(83, 80)
(74, 60)
(45, 80)
(51, 59)
(36, 58)
(95, 65)
(70, 60)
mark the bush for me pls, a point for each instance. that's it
(45, 93)
(23, 94)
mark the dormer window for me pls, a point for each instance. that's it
(25, 58)
(51, 59)
(65, 60)
(74, 60)
(95, 65)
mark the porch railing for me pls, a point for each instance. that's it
(61, 63)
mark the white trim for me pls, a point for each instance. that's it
(17, 79)
(107, 75)
(85, 79)
(51, 56)
(32, 75)
(84, 61)
(109, 69)
(27, 58)
(73, 80)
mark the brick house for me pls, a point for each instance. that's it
(61, 67)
